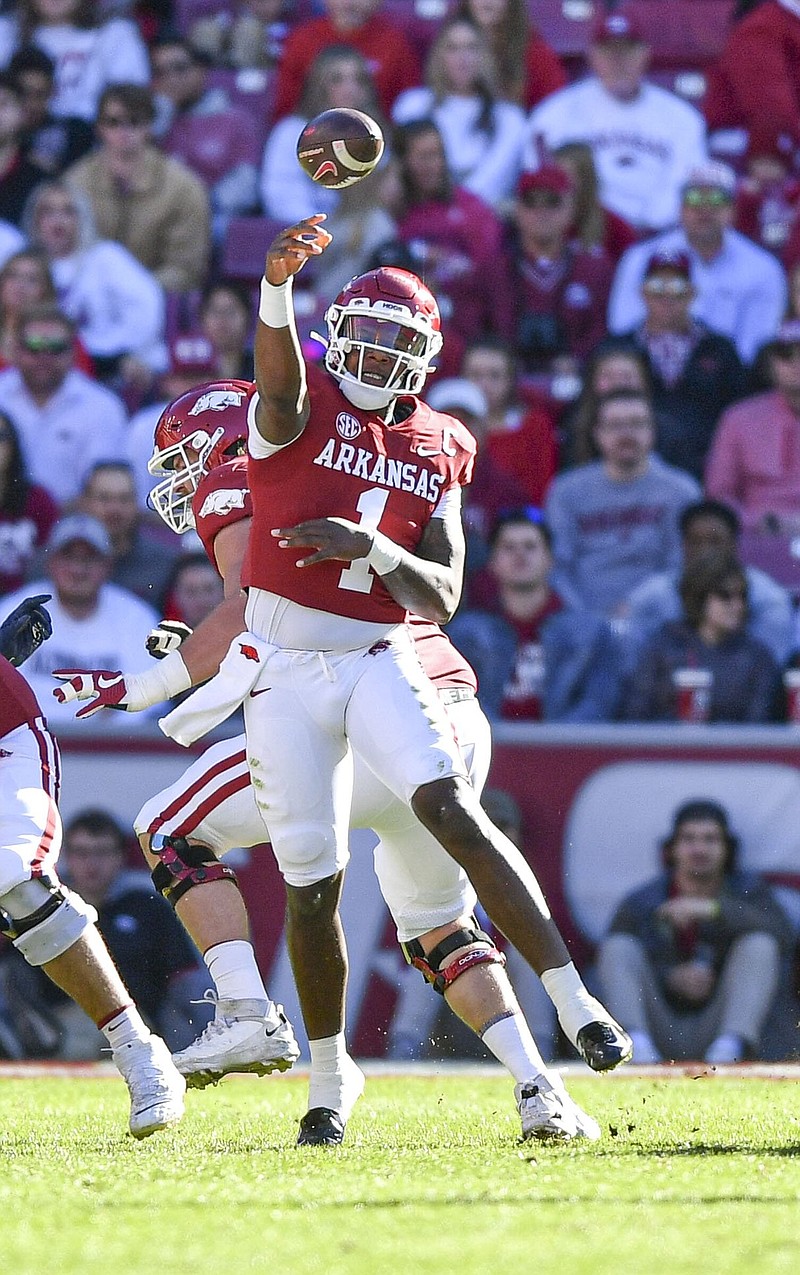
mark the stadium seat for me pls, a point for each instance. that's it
(778, 555)
(419, 20)
(564, 24)
(245, 247)
(691, 36)
(250, 89)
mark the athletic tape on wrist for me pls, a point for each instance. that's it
(275, 305)
(385, 555)
(162, 682)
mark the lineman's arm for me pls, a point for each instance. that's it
(282, 408)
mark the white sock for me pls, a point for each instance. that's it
(124, 1027)
(574, 1004)
(336, 1081)
(236, 976)
(513, 1045)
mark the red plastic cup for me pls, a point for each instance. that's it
(692, 693)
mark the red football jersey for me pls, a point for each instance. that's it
(222, 498)
(348, 464)
(17, 701)
(441, 661)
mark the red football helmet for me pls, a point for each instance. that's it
(389, 311)
(196, 433)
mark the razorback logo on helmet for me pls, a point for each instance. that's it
(217, 401)
(223, 501)
(249, 652)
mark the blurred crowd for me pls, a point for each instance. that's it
(604, 198)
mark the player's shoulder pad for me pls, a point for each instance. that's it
(223, 492)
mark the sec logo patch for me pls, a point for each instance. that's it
(347, 426)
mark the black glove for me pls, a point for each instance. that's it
(166, 637)
(25, 629)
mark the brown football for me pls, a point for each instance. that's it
(339, 147)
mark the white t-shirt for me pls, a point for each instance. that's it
(86, 60)
(11, 241)
(488, 164)
(112, 638)
(117, 304)
(82, 423)
(643, 149)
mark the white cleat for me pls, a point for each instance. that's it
(237, 1045)
(546, 1113)
(155, 1085)
(587, 1125)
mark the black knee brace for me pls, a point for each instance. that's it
(184, 865)
(430, 966)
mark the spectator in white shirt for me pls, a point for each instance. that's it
(66, 421)
(88, 53)
(483, 136)
(741, 289)
(644, 138)
(116, 303)
(95, 624)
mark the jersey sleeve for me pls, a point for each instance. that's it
(223, 498)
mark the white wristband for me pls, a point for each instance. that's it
(385, 555)
(275, 306)
(166, 679)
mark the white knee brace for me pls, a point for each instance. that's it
(43, 919)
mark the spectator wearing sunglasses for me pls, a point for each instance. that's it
(695, 373)
(711, 635)
(66, 422)
(754, 462)
(740, 288)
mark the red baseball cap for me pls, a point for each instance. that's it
(617, 26)
(548, 176)
(675, 262)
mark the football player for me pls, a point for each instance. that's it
(51, 926)
(212, 808)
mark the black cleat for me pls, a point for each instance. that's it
(604, 1045)
(321, 1127)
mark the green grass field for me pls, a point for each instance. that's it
(690, 1176)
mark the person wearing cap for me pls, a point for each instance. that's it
(65, 420)
(741, 290)
(695, 373)
(768, 194)
(754, 461)
(644, 138)
(559, 290)
(693, 958)
(95, 624)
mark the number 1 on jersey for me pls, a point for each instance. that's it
(358, 576)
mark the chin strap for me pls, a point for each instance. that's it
(369, 398)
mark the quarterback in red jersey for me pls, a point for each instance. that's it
(356, 522)
(212, 808)
(51, 926)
